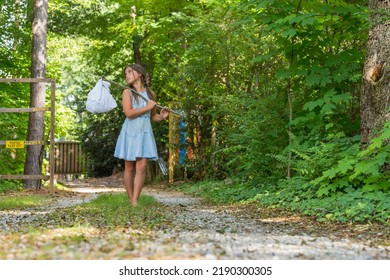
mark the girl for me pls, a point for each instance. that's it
(136, 142)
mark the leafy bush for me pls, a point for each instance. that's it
(10, 185)
(221, 191)
(353, 205)
(337, 180)
(250, 139)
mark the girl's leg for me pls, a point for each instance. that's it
(139, 180)
(128, 178)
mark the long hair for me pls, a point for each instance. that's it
(145, 79)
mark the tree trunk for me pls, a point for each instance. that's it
(36, 122)
(375, 99)
(137, 39)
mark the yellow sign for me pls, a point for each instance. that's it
(14, 144)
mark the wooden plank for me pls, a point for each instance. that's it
(3, 142)
(26, 80)
(23, 110)
(52, 127)
(79, 159)
(35, 142)
(16, 177)
(171, 157)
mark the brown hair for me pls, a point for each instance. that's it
(145, 79)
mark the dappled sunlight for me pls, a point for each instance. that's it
(79, 242)
(281, 220)
(15, 213)
(95, 186)
(87, 231)
(98, 189)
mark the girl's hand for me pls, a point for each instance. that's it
(164, 113)
(151, 104)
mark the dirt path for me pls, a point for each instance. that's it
(202, 231)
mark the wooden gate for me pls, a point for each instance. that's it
(69, 158)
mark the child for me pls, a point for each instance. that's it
(136, 143)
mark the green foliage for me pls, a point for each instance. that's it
(253, 137)
(14, 62)
(15, 38)
(335, 179)
(299, 195)
(367, 169)
(6, 186)
(221, 191)
(352, 205)
(338, 181)
(307, 48)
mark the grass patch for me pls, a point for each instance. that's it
(112, 211)
(23, 201)
(105, 228)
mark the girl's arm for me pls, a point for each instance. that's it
(128, 107)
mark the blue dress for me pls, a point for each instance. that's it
(136, 139)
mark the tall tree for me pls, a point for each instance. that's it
(375, 99)
(36, 123)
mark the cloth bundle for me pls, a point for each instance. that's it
(99, 98)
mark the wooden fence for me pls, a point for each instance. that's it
(69, 158)
(20, 144)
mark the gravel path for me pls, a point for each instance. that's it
(208, 232)
(201, 231)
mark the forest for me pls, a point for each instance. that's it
(280, 103)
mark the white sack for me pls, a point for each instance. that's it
(99, 98)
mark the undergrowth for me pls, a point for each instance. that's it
(6, 186)
(333, 178)
(350, 206)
